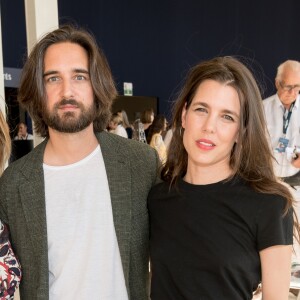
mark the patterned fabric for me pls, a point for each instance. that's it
(10, 272)
(139, 132)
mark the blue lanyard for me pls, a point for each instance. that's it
(286, 119)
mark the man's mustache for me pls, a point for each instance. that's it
(68, 102)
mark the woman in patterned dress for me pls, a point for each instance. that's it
(10, 272)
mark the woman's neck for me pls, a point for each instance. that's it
(207, 174)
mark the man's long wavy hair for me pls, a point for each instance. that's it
(251, 157)
(32, 95)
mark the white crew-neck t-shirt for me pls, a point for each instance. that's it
(83, 252)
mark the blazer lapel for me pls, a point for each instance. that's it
(119, 180)
(32, 193)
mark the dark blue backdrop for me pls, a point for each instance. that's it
(153, 43)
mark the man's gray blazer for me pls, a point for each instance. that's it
(131, 169)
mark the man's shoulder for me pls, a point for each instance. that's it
(141, 157)
(123, 145)
(26, 163)
(269, 99)
(271, 103)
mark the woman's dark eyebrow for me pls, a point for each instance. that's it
(227, 111)
(200, 103)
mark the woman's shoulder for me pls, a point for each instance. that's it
(160, 189)
(261, 202)
(162, 185)
(250, 189)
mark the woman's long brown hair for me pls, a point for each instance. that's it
(251, 157)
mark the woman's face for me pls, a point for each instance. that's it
(211, 126)
(112, 125)
(152, 117)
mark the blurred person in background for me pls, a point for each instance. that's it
(147, 118)
(22, 133)
(155, 139)
(125, 123)
(141, 125)
(116, 125)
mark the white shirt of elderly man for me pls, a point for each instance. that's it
(282, 112)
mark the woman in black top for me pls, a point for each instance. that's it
(221, 222)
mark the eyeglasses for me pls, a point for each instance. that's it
(289, 88)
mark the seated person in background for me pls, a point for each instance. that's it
(155, 139)
(125, 123)
(116, 127)
(22, 133)
(147, 118)
(10, 273)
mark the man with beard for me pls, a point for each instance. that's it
(76, 205)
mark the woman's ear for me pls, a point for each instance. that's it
(239, 136)
(183, 116)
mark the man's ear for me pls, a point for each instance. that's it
(277, 84)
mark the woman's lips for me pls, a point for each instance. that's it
(205, 144)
